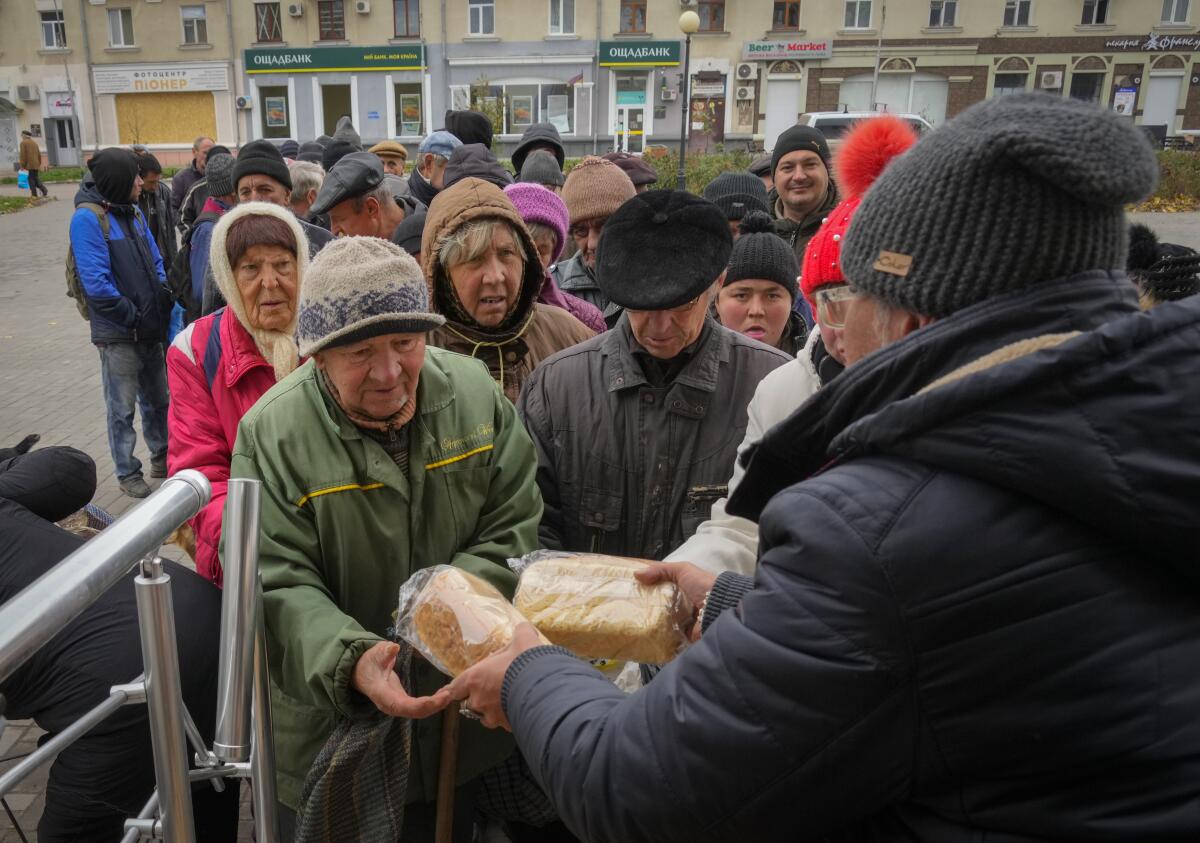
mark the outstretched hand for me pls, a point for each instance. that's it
(479, 687)
(694, 582)
(375, 678)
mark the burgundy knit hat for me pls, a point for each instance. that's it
(536, 204)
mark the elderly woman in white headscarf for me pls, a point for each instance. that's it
(220, 365)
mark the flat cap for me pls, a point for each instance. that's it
(390, 149)
(356, 174)
(689, 235)
(440, 143)
(637, 169)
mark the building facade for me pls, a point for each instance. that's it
(608, 73)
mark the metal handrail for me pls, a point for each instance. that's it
(40, 611)
(31, 618)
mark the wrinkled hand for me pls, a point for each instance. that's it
(479, 686)
(695, 583)
(375, 678)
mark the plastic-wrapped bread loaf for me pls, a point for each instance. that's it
(453, 618)
(592, 605)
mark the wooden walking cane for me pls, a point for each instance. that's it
(447, 773)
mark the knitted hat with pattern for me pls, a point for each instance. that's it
(761, 254)
(358, 288)
(866, 150)
(1014, 191)
(277, 347)
(595, 189)
(536, 204)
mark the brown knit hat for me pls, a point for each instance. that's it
(595, 189)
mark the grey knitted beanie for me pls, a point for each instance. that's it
(219, 173)
(358, 288)
(1014, 191)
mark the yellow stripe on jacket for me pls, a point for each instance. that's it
(346, 488)
(458, 458)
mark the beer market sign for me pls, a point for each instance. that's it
(1155, 43)
(322, 59)
(152, 79)
(794, 50)
(639, 54)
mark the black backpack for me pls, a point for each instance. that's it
(179, 277)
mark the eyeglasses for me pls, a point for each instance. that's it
(582, 229)
(833, 303)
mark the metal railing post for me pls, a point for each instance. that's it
(30, 619)
(164, 701)
(239, 620)
(262, 755)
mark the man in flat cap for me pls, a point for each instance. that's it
(358, 198)
(635, 468)
(392, 154)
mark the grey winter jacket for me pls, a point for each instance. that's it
(572, 277)
(160, 219)
(628, 468)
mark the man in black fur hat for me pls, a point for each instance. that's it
(634, 469)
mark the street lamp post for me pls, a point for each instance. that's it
(689, 22)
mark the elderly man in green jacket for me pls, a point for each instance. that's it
(378, 457)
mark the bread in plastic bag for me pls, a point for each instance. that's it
(592, 605)
(453, 618)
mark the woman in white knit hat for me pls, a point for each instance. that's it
(221, 364)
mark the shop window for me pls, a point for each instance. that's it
(120, 28)
(633, 15)
(858, 14)
(275, 111)
(942, 13)
(267, 28)
(482, 15)
(1016, 12)
(1086, 86)
(712, 15)
(926, 94)
(1095, 12)
(54, 30)
(516, 107)
(409, 111)
(331, 20)
(562, 17)
(786, 15)
(195, 24)
(1175, 11)
(1010, 83)
(408, 18)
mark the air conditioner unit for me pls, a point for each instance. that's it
(363, 7)
(243, 103)
(669, 95)
(745, 92)
(296, 10)
(688, 4)
(27, 93)
(746, 70)
(1051, 79)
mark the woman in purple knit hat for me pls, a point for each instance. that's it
(546, 217)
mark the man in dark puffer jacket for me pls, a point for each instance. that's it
(976, 614)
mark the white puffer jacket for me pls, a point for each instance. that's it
(725, 542)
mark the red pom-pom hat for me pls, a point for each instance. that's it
(869, 147)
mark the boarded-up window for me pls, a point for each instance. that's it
(165, 117)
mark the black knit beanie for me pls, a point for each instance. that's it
(261, 157)
(469, 127)
(115, 170)
(797, 138)
(761, 254)
(737, 194)
(289, 148)
(336, 151)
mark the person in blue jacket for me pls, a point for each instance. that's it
(976, 610)
(129, 308)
